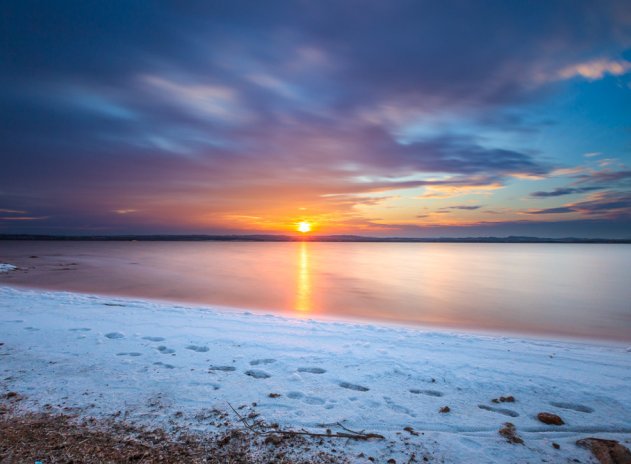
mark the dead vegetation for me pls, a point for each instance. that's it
(509, 432)
(260, 428)
(59, 438)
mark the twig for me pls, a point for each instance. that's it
(259, 428)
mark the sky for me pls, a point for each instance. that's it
(379, 118)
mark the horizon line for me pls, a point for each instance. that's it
(307, 238)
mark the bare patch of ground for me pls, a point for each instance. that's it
(61, 438)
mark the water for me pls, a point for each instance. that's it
(580, 290)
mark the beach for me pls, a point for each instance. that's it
(203, 370)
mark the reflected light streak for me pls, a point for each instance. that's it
(303, 289)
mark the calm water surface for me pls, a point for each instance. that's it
(559, 289)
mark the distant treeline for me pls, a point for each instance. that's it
(310, 238)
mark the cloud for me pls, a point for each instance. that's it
(595, 69)
(125, 211)
(465, 207)
(12, 211)
(261, 110)
(605, 176)
(569, 171)
(23, 218)
(603, 204)
(561, 191)
(560, 209)
(219, 102)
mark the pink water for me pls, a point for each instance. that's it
(554, 289)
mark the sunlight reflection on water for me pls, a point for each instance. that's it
(570, 289)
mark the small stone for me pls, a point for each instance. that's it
(550, 419)
(556, 445)
(606, 451)
(444, 409)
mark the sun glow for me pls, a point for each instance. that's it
(304, 227)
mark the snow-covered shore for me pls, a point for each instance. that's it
(162, 363)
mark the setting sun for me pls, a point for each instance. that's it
(304, 227)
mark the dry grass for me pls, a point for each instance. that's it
(59, 438)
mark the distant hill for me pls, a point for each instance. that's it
(307, 238)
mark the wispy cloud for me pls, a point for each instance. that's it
(224, 118)
(595, 69)
(603, 204)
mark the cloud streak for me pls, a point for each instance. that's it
(247, 116)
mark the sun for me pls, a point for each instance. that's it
(304, 227)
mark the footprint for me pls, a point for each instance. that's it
(505, 412)
(32, 329)
(164, 350)
(572, 406)
(397, 407)
(427, 392)
(257, 374)
(256, 362)
(133, 353)
(352, 386)
(168, 366)
(154, 339)
(199, 349)
(80, 329)
(313, 400)
(114, 335)
(222, 368)
(114, 304)
(16, 321)
(294, 395)
(312, 370)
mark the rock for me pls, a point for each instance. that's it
(509, 432)
(549, 418)
(504, 399)
(606, 451)
(556, 445)
(444, 409)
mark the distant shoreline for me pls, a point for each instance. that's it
(310, 238)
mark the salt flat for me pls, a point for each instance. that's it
(161, 364)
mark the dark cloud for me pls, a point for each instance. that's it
(464, 207)
(560, 209)
(561, 191)
(230, 106)
(554, 229)
(605, 204)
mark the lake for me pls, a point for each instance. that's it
(576, 290)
